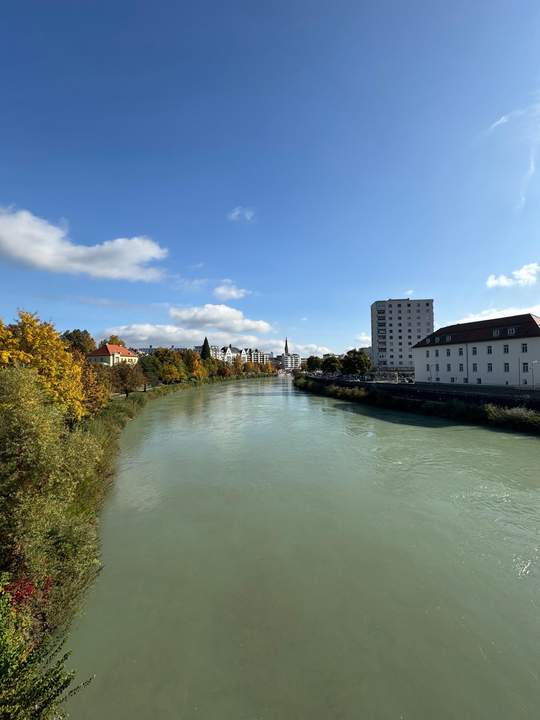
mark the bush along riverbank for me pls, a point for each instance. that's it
(517, 418)
(59, 429)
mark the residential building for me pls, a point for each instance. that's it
(502, 351)
(288, 361)
(112, 355)
(396, 325)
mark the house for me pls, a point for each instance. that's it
(112, 355)
(396, 325)
(501, 351)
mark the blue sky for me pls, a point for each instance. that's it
(254, 170)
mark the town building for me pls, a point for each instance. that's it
(502, 351)
(396, 325)
(288, 361)
(112, 355)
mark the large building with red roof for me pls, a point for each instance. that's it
(110, 355)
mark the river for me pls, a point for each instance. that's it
(274, 555)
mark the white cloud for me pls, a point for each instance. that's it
(526, 275)
(32, 241)
(221, 317)
(241, 214)
(409, 293)
(528, 127)
(363, 338)
(229, 291)
(491, 313)
(166, 334)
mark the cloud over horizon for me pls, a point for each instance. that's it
(221, 317)
(526, 275)
(491, 313)
(34, 242)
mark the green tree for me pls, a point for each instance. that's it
(112, 340)
(313, 363)
(331, 364)
(205, 352)
(80, 340)
(127, 378)
(355, 362)
(152, 368)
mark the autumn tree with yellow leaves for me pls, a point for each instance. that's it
(38, 345)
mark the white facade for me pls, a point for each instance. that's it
(396, 326)
(290, 361)
(508, 355)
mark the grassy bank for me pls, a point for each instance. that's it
(54, 477)
(519, 418)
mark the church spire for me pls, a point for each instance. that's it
(286, 347)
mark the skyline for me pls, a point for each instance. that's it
(255, 173)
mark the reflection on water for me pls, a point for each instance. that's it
(275, 555)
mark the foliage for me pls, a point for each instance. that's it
(40, 346)
(112, 340)
(313, 363)
(331, 364)
(79, 340)
(355, 362)
(205, 351)
(127, 378)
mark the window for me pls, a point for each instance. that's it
(427, 353)
(506, 367)
(460, 367)
(437, 367)
(496, 332)
(475, 351)
(506, 349)
(490, 349)
(466, 380)
(437, 339)
(490, 367)
(526, 367)
(448, 352)
(460, 351)
(452, 379)
(524, 347)
(436, 353)
(511, 331)
(448, 367)
(525, 381)
(478, 381)
(475, 367)
(427, 367)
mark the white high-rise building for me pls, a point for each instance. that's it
(396, 326)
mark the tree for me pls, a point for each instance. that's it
(113, 340)
(355, 362)
(331, 364)
(205, 352)
(127, 378)
(152, 368)
(80, 340)
(194, 366)
(237, 365)
(170, 374)
(313, 363)
(39, 345)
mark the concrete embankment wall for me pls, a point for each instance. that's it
(472, 395)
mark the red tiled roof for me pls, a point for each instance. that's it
(523, 326)
(107, 350)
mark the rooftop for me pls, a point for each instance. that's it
(107, 350)
(514, 326)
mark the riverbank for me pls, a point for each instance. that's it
(519, 419)
(54, 477)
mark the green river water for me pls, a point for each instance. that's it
(274, 555)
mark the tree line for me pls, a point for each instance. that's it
(354, 362)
